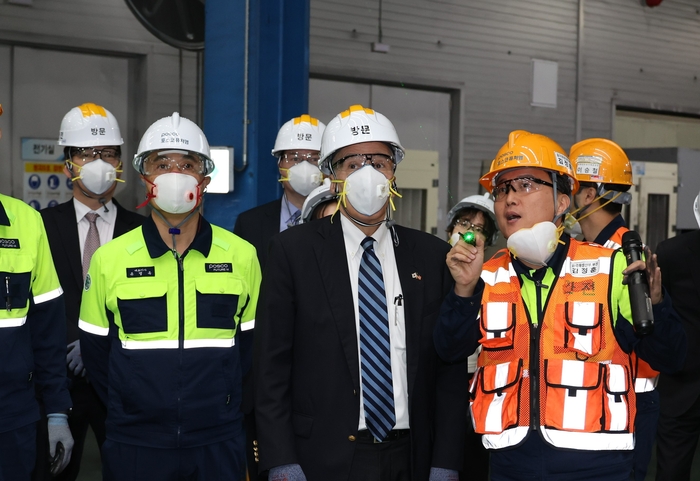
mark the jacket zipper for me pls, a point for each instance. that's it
(535, 360)
(181, 337)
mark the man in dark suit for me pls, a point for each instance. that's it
(679, 422)
(91, 162)
(348, 383)
(296, 149)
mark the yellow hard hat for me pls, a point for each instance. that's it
(525, 149)
(601, 161)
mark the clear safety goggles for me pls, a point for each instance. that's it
(297, 157)
(350, 163)
(166, 162)
(88, 154)
(520, 185)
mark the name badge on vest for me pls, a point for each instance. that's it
(141, 271)
(9, 243)
(221, 267)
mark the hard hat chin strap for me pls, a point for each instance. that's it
(554, 188)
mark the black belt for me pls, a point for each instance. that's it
(366, 437)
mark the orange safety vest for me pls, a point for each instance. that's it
(645, 377)
(565, 374)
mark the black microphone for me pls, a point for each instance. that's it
(642, 314)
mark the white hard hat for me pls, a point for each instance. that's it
(317, 196)
(88, 125)
(299, 133)
(696, 209)
(170, 133)
(354, 126)
(484, 203)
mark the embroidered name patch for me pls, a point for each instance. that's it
(585, 268)
(9, 243)
(221, 267)
(141, 271)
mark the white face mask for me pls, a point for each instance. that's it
(367, 190)
(572, 226)
(176, 193)
(98, 176)
(304, 177)
(535, 245)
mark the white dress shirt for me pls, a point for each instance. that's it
(105, 222)
(384, 250)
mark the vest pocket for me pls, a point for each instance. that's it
(497, 325)
(496, 397)
(581, 330)
(143, 307)
(574, 395)
(15, 283)
(617, 392)
(217, 302)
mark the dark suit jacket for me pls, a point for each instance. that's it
(679, 259)
(62, 232)
(258, 225)
(306, 361)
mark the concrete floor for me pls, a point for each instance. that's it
(91, 467)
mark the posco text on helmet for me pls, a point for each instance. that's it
(484, 203)
(299, 133)
(601, 161)
(354, 126)
(173, 133)
(524, 149)
(89, 125)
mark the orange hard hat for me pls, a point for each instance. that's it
(525, 149)
(601, 161)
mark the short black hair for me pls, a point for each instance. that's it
(489, 225)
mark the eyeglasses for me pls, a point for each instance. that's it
(162, 164)
(350, 163)
(479, 229)
(88, 154)
(520, 185)
(297, 157)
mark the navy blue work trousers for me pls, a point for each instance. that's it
(220, 461)
(537, 460)
(18, 453)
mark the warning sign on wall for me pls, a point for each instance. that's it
(45, 184)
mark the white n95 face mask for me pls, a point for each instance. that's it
(367, 190)
(535, 245)
(97, 176)
(572, 226)
(176, 193)
(303, 177)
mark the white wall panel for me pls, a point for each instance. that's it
(632, 56)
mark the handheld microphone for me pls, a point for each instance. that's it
(642, 314)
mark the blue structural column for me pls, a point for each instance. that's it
(278, 89)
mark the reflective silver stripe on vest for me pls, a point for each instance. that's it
(13, 322)
(93, 329)
(174, 344)
(196, 343)
(247, 326)
(494, 416)
(584, 315)
(501, 275)
(610, 244)
(509, 437)
(47, 296)
(588, 441)
(645, 384)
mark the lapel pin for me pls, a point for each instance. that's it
(415, 275)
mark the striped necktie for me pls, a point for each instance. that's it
(92, 241)
(375, 358)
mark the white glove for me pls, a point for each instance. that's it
(74, 359)
(60, 439)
